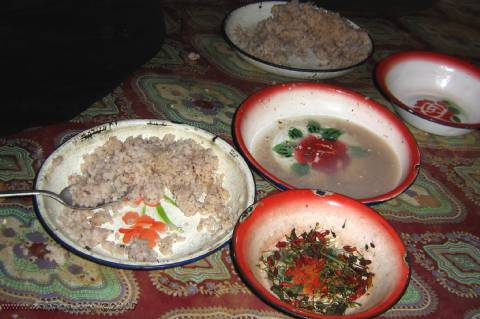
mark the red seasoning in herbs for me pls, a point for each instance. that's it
(309, 272)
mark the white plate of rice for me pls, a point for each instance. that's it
(186, 189)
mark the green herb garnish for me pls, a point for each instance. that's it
(170, 200)
(164, 217)
(309, 272)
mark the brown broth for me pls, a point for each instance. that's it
(372, 169)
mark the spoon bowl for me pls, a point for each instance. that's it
(64, 197)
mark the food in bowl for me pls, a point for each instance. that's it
(320, 136)
(160, 223)
(156, 172)
(151, 168)
(327, 153)
(297, 34)
(310, 272)
(379, 252)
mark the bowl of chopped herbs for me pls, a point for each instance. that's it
(314, 254)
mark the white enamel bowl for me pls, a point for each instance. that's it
(66, 160)
(289, 100)
(434, 92)
(268, 221)
(247, 17)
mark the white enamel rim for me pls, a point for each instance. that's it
(238, 181)
(433, 73)
(251, 14)
(286, 100)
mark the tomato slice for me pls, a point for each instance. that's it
(322, 154)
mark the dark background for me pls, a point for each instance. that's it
(59, 57)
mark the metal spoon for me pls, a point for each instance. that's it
(64, 198)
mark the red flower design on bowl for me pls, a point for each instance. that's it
(437, 109)
(322, 154)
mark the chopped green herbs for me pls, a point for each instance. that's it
(309, 272)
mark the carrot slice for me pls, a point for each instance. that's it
(130, 217)
(142, 227)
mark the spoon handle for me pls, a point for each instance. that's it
(31, 193)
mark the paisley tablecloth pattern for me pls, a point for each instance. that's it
(220, 313)
(37, 273)
(198, 79)
(213, 275)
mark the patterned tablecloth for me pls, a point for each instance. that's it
(437, 217)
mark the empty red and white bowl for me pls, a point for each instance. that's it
(279, 103)
(432, 91)
(268, 221)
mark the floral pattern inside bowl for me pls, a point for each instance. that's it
(433, 92)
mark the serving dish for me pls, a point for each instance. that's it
(277, 105)
(248, 16)
(272, 218)
(68, 158)
(432, 91)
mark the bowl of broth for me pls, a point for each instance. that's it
(307, 135)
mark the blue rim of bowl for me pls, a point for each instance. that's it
(383, 68)
(126, 265)
(114, 264)
(284, 67)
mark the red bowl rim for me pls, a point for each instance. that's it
(250, 103)
(386, 64)
(242, 230)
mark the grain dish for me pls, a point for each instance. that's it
(168, 180)
(141, 233)
(301, 35)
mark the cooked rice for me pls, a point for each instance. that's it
(147, 168)
(300, 32)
